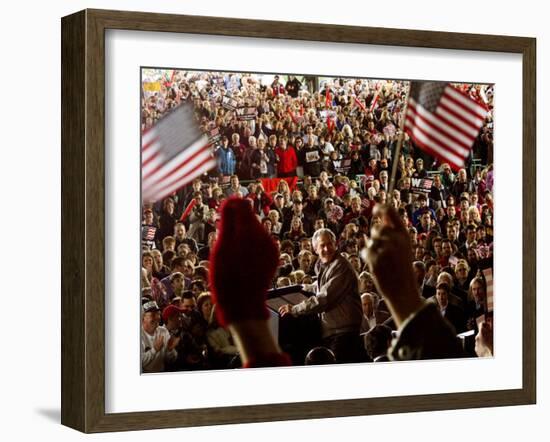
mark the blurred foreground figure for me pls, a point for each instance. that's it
(422, 331)
(244, 261)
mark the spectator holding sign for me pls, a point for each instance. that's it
(312, 158)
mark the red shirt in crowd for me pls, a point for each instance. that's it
(288, 160)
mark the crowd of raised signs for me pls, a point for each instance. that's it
(309, 153)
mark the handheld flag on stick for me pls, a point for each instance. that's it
(361, 105)
(374, 101)
(488, 275)
(173, 153)
(328, 103)
(328, 99)
(330, 124)
(395, 157)
(289, 111)
(443, 121)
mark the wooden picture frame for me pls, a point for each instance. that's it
(83, 215)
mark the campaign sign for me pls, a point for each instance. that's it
(342, 166)
(214, 135)
(421, 185)
(229, 103)
(313, 156)
(246, 113)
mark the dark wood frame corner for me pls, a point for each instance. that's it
(83, 215)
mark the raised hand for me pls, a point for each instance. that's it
(159, 342)
(484, 340)
(173, 342)
(285, 310)
(243, 262)
(389, 256)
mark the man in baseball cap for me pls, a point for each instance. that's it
(171, 314)
(189, 351)
(157, 346)
(148, 305)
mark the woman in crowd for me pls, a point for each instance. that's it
(204, 305)
(147, 263)
(167, 219)
(296, 232)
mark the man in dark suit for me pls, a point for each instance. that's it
(377, 342)
(450, 312)
(372, 316)
(425, 290)
(471, 231)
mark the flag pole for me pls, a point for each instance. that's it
(397, 152)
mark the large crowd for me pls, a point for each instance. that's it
(310, 154)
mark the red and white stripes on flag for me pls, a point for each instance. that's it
(149, 233)
(488, 275)
(374, 101)
(173, 153)
(360, 104)
(443, 121)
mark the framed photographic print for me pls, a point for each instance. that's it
(139, 226)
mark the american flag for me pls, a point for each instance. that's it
(148, 233)
(488, 274)
(427, 184)
(173, 153)
(443, 121)
(422, 184)
(374, 101)
(357, 102)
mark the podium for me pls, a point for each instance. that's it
(468, 341)
(295, 335)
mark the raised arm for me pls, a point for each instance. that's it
(243, 262)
